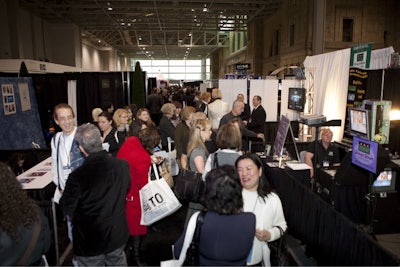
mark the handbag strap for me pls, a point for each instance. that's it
(215, 162)
(189, 235)
(282, 239)
(154, 166)
(32, 243)
(199, 223)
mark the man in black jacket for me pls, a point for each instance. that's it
(94, 199)
(257, 118)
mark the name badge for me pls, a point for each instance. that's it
(325, 164)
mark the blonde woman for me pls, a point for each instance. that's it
(196, 150)
(217, 109)
(197, 155)
(120, 119)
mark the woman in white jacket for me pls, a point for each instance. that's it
(265, 204)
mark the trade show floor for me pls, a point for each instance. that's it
(157, 243)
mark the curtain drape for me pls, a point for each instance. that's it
(331, 75)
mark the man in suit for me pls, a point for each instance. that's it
(94, 200)
(246, 112)
(258, 116)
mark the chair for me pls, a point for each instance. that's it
(302, 156)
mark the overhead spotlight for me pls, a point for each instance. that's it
(109, 8)
(192, 9)
(140, 38)
(190, 34)
(205, 9)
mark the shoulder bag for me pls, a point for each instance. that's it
(189, 185)
(280, 255)
(189, 236)
(192, 253)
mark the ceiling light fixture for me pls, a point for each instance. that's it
(109, 8)
(205, 9)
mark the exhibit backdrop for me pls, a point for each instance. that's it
(19, 116)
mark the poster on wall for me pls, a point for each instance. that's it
(24, 96)
(21, 130)
(8, 99)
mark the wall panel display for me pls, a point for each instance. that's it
(291, 114)
(19, 116)
(268, 90)
(231, 88)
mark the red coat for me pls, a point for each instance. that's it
(139, 162)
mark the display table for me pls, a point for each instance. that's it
(38, 181)
(329, 236)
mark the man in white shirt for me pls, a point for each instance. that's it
(65, 152)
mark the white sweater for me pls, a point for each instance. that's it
(268, 214)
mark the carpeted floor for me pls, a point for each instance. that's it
(156, 245)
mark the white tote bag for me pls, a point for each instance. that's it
(157, 200)
(170, 158)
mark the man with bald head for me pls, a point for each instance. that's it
(237, 109)
(246, 112)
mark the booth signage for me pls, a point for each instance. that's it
(243, 66)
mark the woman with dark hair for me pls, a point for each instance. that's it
(259, 199)
(143, 114)
(112, 139)
(20, 220)
(135, 127)
(227, 232)
(137, 150)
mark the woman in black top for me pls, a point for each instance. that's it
(112, 139)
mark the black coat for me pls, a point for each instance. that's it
(257, 120)
(95, 197)
(166, 129)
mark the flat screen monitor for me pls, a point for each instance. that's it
(365, 154)
(385, 182)
(297, 99)
(359, 122)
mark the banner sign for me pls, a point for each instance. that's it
(360, 56)
(243, 66)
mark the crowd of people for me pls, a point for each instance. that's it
(99, 168)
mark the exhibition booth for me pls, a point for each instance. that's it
(335, 213)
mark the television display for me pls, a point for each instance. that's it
(385, 182)
(365, 154)
(359, 122)
(297, 99)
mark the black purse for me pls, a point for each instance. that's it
(192, 253)
(280, 256)
(189, 185)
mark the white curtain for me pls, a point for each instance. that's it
(331, 78)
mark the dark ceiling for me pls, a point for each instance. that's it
(159, 29)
